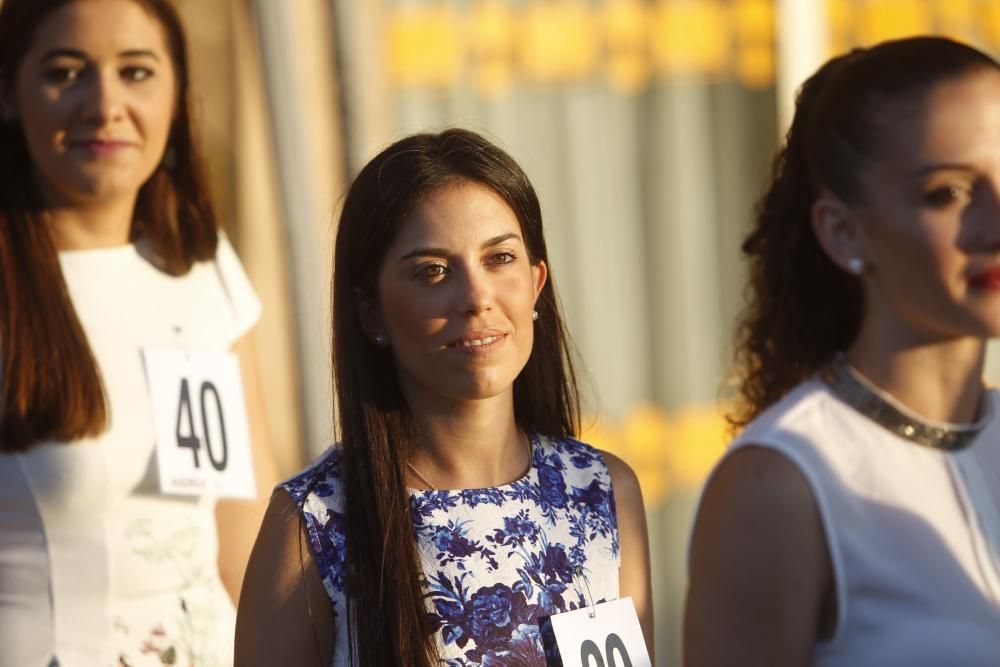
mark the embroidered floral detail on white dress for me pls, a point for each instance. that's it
(496, 561)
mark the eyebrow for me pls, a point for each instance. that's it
(441, 252)
(943, 166)
(80, 55)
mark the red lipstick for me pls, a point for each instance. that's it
(986, 280)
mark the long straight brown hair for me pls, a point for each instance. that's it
(386, 608)
(51, 385)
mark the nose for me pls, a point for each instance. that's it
(987, 215)
(475, 294)
(103, 101)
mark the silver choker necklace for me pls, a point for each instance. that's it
(852, 388)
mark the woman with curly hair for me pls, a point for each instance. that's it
(856, 518)
(458, 510)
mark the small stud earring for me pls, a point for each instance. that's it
(856, 265)
(534, 315)
(380, 341)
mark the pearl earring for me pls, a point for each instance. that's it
(380, 341)
(856, 265)
(534, 315)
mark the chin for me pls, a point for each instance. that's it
(483, 388)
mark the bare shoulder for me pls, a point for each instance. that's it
(634, 578)
(623, 480)
(757, 481)
(760, 505)
(759, 567)
(282, 523)
(284, 614)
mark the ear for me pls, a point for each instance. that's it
(839, 231)
(539, 274)
(369, 315)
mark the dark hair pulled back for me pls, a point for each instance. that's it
(802, 309)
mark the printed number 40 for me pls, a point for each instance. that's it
(192, 441)
(613, 643)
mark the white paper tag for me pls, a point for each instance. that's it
(612, 638)
(200, 422)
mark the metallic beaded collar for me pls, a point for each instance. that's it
(852, 388)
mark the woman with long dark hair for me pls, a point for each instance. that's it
(856, 518)
(457, 509)
(108, 248)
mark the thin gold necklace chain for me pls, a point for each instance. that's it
(430, 486)
(421, 477)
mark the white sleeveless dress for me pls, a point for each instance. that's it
(913, 532)
(97, 568)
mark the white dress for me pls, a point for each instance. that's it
(96, 566)
(913, 532)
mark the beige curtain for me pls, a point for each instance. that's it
(235, 122)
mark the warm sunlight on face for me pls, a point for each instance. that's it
(95, 95)
(456, 292)
(932, 216)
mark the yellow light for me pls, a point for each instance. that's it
(492, 29)
(955, 17)
(690, 37)
(840, 17)
(559, 41)
(425, 47)
(880, 20)
(627, 43)
(669, 452)
(754, 22)
(991, 22)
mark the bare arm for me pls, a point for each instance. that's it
(760, 570)
(285, 616)
(634, 576)
(238, 520)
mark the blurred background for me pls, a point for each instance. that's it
(647, 128)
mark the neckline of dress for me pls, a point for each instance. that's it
(858, 392)
(534, 445)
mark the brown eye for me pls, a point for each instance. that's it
(61, 76)
(430, 272)
(945, 195)
(505, 257)
(136, 73)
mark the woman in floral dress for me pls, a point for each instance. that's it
(457, 510)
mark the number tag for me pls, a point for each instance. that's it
(200, 422)
(612, 638)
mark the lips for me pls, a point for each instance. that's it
(478, 341)
(988, 279)
(101, 146)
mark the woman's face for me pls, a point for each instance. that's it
(95, 95)
(931, 223)
(456, 292)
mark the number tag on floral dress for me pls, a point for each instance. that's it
(602, 635)
(200, 422)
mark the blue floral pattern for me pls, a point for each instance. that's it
(496, 561)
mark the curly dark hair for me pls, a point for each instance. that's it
(801, 307)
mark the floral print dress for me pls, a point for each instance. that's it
(496, 561)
